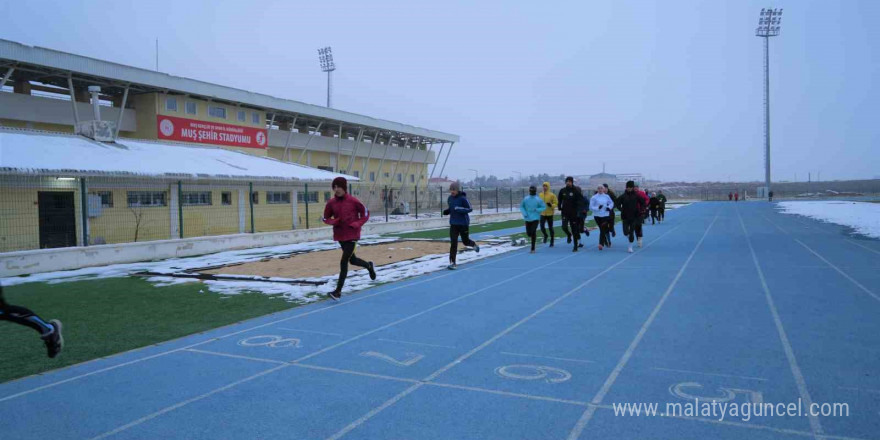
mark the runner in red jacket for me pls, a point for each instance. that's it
(646, 199)
(347, 215)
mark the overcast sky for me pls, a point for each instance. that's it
(671, 89)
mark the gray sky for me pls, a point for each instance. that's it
(671, 89)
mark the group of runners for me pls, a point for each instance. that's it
(634, 205)
(347, 215)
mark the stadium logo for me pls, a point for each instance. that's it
(261, 138)
(166, 127)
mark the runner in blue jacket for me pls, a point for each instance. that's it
(459, 222)
(531, 208)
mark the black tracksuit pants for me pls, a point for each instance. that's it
(348, 256)
(454, 232)
(23, 316)
(632, 228)
(532, 231)
(548, 219)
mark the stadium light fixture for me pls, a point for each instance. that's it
(769, 24)
(325, 58)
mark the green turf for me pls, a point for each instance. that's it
(444, 232)
(103, 317)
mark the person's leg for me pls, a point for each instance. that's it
(532, 231)
(466, 239)
(552, 230)
(347, 253)
(543, 229)
(566, 229)
(453, 243)
(628, 228)
(575, 232)
(50, 332)
(611, 226)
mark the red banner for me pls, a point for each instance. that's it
(191, 130)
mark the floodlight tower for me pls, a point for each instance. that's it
(325, 57)
(768, 26)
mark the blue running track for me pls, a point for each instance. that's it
(726, 301)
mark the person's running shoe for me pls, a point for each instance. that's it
(640, 241)
(629, 249)
(476, 248)
(600, 247)
(452, 266)
(580, 245)
(551, 244)
(532, 251)
(372, 270)
(569, 240)
(55, 340)
(334, 295)
(545, 239)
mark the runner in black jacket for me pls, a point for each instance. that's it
(631, 206)
(571, 203)
(613, 196)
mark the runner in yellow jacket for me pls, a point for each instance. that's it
(552, 203)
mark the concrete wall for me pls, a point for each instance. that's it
(48, 260)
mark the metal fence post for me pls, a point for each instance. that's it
(511, 199)
(481, 200)
(306, 195)
(385, 202)
(496, 200)
(84, 201)
(251, 202)
(417, 202)
(180, 209)
(440, 200)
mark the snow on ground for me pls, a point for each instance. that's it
(357, 279)
(676, 205)
(863, 217)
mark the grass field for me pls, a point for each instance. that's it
(103, 317)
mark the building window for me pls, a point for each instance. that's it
(357, 174)
(399, 177)
(255, 118)
(372, 176)
(412, 178)
(197, 198)
(191, 108)
(387, 175)
(226, 198)
(242, 116)
(312, 196)
(326, 169)
(106, 198)
(278, 197)
(146, 198)
(255, 197)
(171, 104)
(217, 112)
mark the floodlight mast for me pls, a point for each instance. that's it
(769, 24)
(325, 57)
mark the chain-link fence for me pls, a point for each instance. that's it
(39, 212)
(868, 189)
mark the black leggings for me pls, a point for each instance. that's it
(23, 316)
(454, 232)
(548, 219)
(633, 227)
(654, 216)
(604, 224)
(348, 256)
(574, 223)
(661, 213)
(532, 231)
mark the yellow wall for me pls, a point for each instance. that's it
(119, 224)
(19, 217)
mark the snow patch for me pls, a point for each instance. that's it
(863, 217)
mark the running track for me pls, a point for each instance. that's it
(731, 301)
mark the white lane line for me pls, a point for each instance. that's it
(845, 275)
(549, 357)
(609, 382)
(309, 331)
(353, 425)
(330, 307)
(250, 358)
(415, 343)
(862, 246)
(506, 393)
(187, 402)
(354, 373)
(735, 376)
(815, 425)
(773, 223)
(309, 356)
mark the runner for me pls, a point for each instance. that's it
(50, 332)
(770, 194)
(571, 200)
(736, 196)
(631, 205)
(459, 222)
(347, 215)
(645, 200)
(654, 207)
(601, 205)
(613, 215)
(549, 199)
(531, 208)
(729, 197)
(662, 198)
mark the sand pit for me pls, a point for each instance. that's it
(322, 263)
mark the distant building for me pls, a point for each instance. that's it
(602, 178)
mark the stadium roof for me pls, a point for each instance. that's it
(67, 155)
(53, 67)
